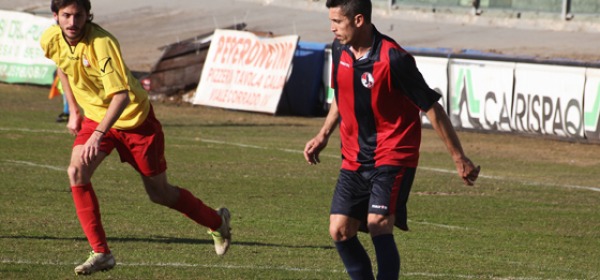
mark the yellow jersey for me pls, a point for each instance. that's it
(96, 71)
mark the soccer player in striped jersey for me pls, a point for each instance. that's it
(379, 94)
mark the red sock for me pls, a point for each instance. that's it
(88, 211)
(195, 209)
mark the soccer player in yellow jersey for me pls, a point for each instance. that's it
(117, 114)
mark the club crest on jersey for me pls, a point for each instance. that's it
(85, 62)
(367, 80)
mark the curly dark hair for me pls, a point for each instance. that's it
(56, 5)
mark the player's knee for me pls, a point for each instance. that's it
(335, 234)
(379, 224)
(375, 229)
(339, 233)
(74, 173)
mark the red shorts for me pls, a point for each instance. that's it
(143, 147)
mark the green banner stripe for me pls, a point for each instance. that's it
(40, 74)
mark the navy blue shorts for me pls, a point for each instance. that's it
(382, 190)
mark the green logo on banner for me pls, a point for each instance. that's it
(591, 118)
(464, 92)
(465, 95)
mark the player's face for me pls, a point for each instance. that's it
(342, 26)
(72, 20)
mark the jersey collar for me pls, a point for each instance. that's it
(373, 54)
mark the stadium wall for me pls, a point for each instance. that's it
(493, 93)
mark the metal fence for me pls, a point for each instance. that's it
(565, 8)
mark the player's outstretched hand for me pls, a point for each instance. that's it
(467, 170)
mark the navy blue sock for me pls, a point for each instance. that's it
(388, 258)
(355, 259)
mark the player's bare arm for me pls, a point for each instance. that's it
(318, 143)
(75, 118)
(442, 125)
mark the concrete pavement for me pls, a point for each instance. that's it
(143, 26)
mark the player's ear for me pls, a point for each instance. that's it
(359, 20)
(55, 16)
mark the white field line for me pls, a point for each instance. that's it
(440, 225)
(440, 170)
(20, 162)
(175, 265)
(33, 130)
(532, 183)
(282, 268)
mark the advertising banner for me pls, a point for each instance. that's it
(591, 106)
(21, 57)
(435, 73)
(245, 72)
(481, 94)
(548, 100)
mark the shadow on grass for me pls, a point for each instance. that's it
(166, 240)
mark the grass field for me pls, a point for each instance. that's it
(534, 214)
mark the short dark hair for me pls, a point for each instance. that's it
(56, 5)
(351, 8)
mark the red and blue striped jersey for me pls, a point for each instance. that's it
(379, 100)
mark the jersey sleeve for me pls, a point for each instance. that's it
(406, 77)
(49, 44)
(111, 68)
